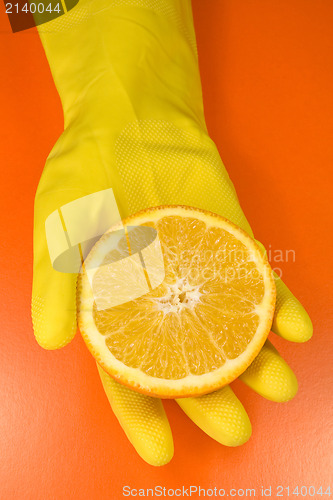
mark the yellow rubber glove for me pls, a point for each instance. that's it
(127, 74)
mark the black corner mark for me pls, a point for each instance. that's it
(23, 14)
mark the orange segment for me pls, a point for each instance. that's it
(201, 327)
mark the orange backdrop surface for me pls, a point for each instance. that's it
(267, 73)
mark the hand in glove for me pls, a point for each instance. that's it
(127, 74)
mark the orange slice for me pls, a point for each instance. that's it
(201, 327)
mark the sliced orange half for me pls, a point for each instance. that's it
(201, 327)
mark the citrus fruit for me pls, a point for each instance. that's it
(201, 327)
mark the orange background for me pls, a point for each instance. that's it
(267, 71)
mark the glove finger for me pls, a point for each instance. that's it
(142, 418)
(291, 321)
(220, 415)
(53, 305)
(270, 376)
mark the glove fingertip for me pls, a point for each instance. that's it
(53, 328)
(220, 415)
(291, 321)
(270, 376)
